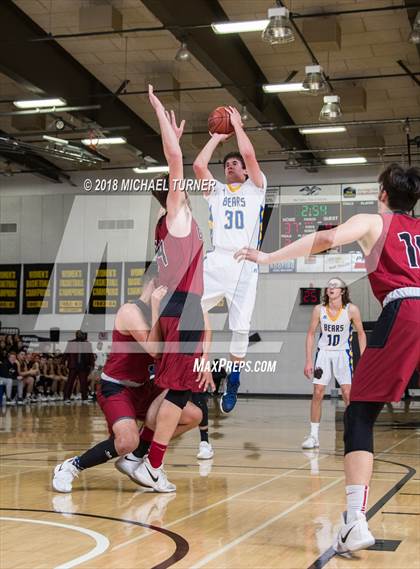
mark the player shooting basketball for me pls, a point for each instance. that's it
(236, 210)
(391, 244)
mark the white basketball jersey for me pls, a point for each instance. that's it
(236, 214)
(336, 333)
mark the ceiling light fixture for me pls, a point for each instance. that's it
(152, 170)
(414, 36)
(322, 129)
(103, 141)
(239, 27)
(331, 109)
(314, 82)
(183, 54)
(282, 87)
(350, 160)
(291, 161)
(279, 29)
(40, 103)
(55, 139)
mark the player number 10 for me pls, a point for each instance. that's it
(234, 219)
(333, 340)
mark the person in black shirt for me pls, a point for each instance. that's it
(9, 372)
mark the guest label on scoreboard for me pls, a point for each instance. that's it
(10, 289)
(70, 295)
(38, 288)
(105, 286)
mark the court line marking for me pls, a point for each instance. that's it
(102, 542)
(252, 532)
(262, 526)
(216, 504)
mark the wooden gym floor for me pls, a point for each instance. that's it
(260, 503)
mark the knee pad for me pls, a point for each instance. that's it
(178, 398)
(359, 418)
(239, 344)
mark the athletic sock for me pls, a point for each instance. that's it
(357, 497)
(234, 376)
(100, 453)
(146, 437)
(204, 435)
(156, 454)
(315, 430)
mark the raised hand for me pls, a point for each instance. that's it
(221, 137)
(178, 130)
(235, 117)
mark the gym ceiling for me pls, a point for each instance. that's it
(98, 57)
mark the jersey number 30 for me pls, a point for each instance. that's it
(412, 248)
(234, 219)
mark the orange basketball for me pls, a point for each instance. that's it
(219, 121)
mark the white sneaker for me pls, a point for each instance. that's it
(127, 466)
(205, 451)
(310, 442)
(353, 535)
(154, 478)
(64, 474)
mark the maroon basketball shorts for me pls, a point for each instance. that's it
(182, 327)
(118, 401)
(392, 355)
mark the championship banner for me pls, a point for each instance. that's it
(38, 288)
(105, 287)
(10, 289)
(70, 288)
(133, 280)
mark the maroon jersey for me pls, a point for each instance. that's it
(394, 261)
(180, 259)
(127, 360)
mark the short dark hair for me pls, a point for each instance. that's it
(161, 195)
(402, 186)
(237, 155)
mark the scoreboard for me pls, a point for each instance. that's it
(296, 211)
(298, 220)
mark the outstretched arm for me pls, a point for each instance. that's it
(201, 163)
(171, 133)
(245, 148)
(357, 228)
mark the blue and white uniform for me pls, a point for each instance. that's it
(334, 355)
(235, 218)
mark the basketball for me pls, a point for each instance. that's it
(219, 121)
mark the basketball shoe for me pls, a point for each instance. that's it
(155, 478)
(353, 535)
(63, 476)
(205, 451)
(230, 396)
